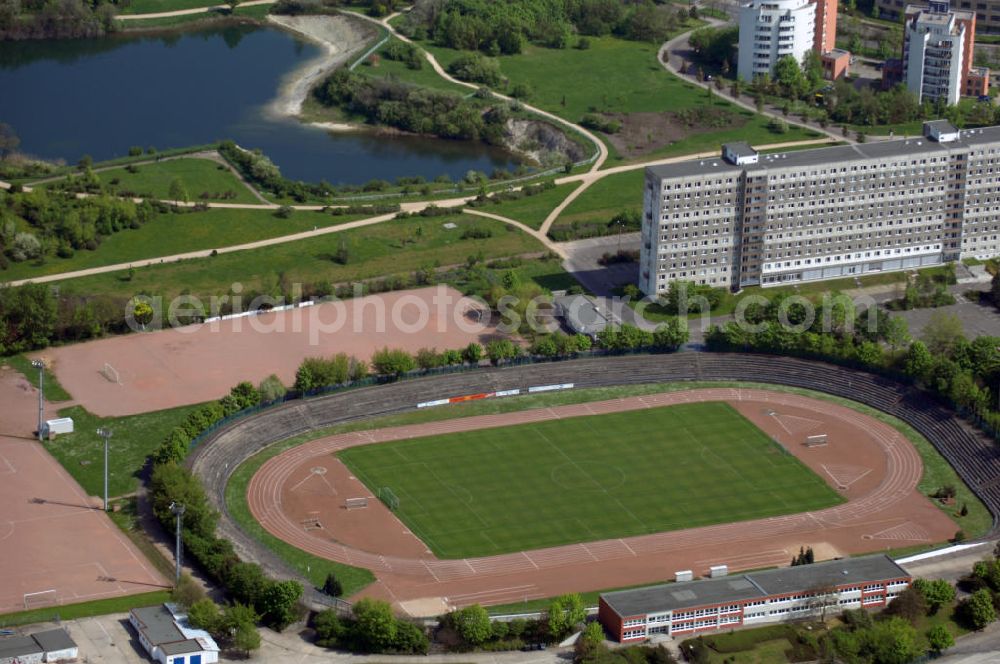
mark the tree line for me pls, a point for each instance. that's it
(497, 28)
(964, 373)
(55, 19)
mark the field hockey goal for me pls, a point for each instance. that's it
(387, 496)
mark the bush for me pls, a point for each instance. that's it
(272, 389)
(475, 68)
(393, 362)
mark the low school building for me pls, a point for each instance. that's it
(54, 645)
(754, 598)
(168, 638)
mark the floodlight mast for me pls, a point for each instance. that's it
(105, 433)
(40, 365)
(177, 510)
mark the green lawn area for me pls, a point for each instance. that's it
(393, 247)
(544, 484)
(600, 202)
(98, 607)
(180, 232)
(198, 176)
(312, 567)
(425, 76)
(134, 438)
(53, 390)
(532, 210)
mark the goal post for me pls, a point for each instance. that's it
(387, 496)
(355, 503)
(111, 374)
(40, 598)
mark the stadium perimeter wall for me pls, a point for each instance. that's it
(973, 455)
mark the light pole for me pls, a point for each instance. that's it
(38, 364)
(178, 510)
(105, 433)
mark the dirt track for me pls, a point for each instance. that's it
(870, 463)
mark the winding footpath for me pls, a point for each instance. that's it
(586, 179)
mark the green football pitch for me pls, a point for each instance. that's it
(588, 478)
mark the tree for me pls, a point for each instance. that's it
(936, 593)
(892, 641)
(672, 334)
(233, 4)
(177, 192)
(473, 624)
(939, 639)
(330, 629)
(977, 610)
(812, 69)
(204, 614)
(332, 586)
(170, 483)
(393, 362)
(909, 605)
(895, 331)
(472, 353)
(271, 389)
(246, 582)
(942, 333)
(789, 76)
(375, 626)
(238, 623)
(278, 603)
(918, 361)
(187, 591)
(499, 350)
(565, 612)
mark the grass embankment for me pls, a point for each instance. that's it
(53, 390)
(98, 607)
(180, 232)
(393, 247)
(594, 208)
(134, 438)
(199, 176)
(127, 519)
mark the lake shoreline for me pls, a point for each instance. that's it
(341, 37)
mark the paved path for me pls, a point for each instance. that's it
(602, 150)
(672, 63)
(189, 12)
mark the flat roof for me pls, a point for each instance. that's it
(943, 126)
(827, 156)
(829, 573)
(54, 639)
(181, 647)
(19, 646)
(158, 624)
(673, 596)
(782, 581)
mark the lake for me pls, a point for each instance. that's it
(69, 98)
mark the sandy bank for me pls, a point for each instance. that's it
(341, 37)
